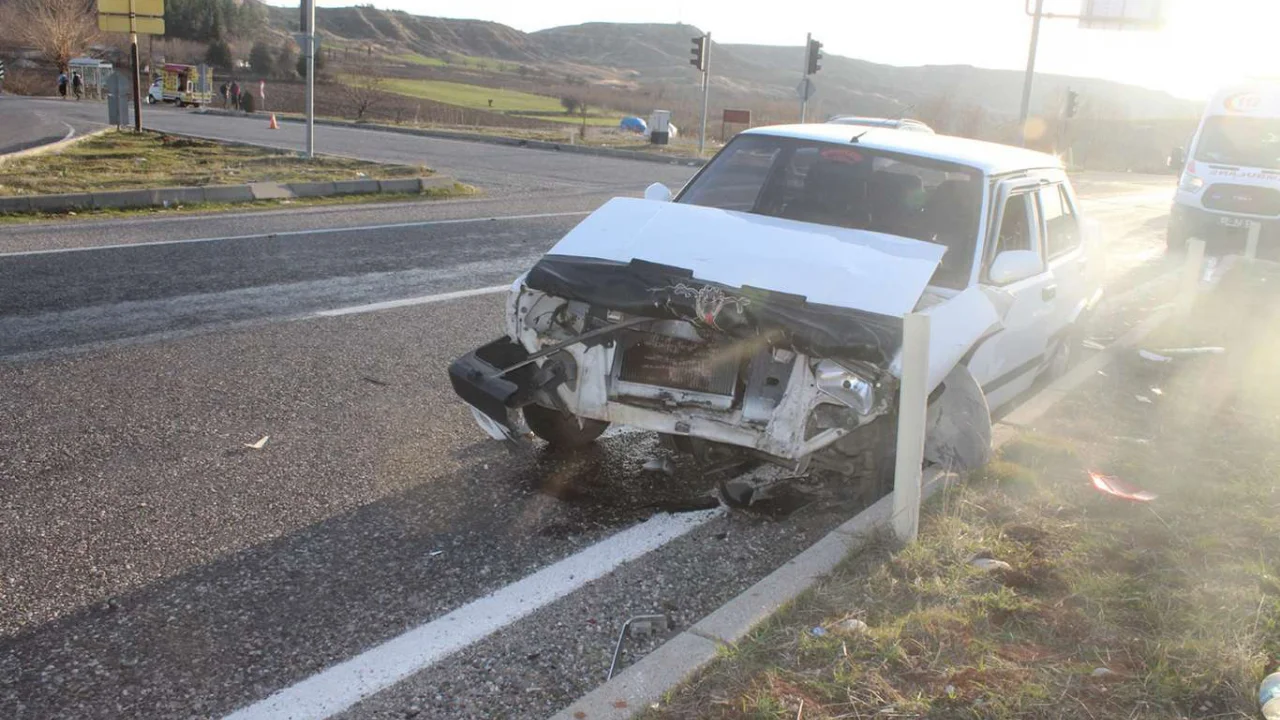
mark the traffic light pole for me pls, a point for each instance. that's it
(1025, 112)
(804, 96)
(133, 60)
(706, 93)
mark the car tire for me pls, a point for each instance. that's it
(561, 430)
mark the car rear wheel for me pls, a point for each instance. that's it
(561, 430)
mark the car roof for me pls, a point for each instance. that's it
(991, 158)
(876, 121)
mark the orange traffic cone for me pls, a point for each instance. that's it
(274, 125)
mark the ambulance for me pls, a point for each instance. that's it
(1231, 175)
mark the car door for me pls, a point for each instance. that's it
(1066, 257)
(1006, 363)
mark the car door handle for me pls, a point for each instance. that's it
(1049, 292)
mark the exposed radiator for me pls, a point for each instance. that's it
(680, 364)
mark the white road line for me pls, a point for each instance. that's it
(71, 132)
(288, 233)
(333, 690)
(406, 302)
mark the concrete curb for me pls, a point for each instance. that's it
(165, 197)
(645, 682)
(490, 139)
(53, 147)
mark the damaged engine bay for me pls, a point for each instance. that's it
(716, 371)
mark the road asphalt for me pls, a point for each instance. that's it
(155, 565)
(26, 124)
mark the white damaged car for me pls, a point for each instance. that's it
(760, 311)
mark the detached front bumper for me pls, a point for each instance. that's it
(495, 398)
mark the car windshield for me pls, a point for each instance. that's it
(851, 187)
(1246, 141)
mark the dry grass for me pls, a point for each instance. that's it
(1179, 599)
(122, 161)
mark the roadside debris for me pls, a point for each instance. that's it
(1209, 350)
(850, 626)
(1142, 399)
(1119, 488)
(258, 445)
(1154, 357)
(1131, 440)
(818, 631)
(659, 465)
(1157, 391)
(990, 564)
(436, 553)
(648, 620)
(1269, 696)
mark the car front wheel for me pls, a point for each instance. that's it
(561, 430)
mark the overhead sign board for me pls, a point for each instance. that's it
(120, 24)
(145, 17)
(153, 8)
(1123, 14)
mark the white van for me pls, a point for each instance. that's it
(1231, 176)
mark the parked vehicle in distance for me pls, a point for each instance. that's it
(1231, 176)
(886, 123)
(760, 312)
(156, 93)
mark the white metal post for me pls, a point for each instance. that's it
(1190, 284)
(706, 91)
(1251, 245)
(913, 399)
(1025, 112)
(309, 9)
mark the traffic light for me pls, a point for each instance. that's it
(701, 53)
(813, 64)
(1073, 103)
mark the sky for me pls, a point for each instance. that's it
(1204, 44)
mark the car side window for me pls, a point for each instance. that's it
(1015, 225)
(1061, 226)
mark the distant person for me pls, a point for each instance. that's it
(77, 84)
(235, 94)
(62, 85)
(222, 92)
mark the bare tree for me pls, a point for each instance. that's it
(59, 29)
(362, 88)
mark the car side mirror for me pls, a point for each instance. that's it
(1011, 266)
(659, 192)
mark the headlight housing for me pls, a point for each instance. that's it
(845, 386)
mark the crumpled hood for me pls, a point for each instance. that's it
(838, 267)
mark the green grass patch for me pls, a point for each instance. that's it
(1110, 609)
(416, 59)
(123, 161)
(473, 96)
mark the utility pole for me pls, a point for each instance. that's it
(309, 50)
(133, 60)
(1025, 112)
(702, 60)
